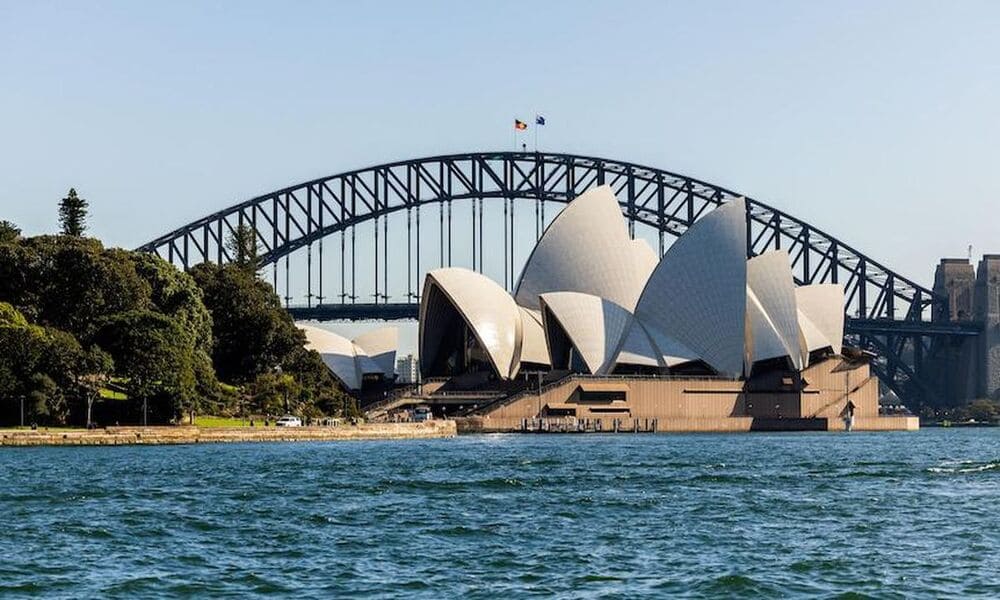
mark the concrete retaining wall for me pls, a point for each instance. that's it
(118, 436)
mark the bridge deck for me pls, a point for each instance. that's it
(409, 311)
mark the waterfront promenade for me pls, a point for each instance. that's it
(124, 436)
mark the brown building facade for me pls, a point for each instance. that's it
(829, 395)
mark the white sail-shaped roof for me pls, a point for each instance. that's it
(533, 346)
(774, 322)
(645, 259)
(672, 353)
(337, 352)
(696, 297)
(821, 315)
(637, 348)
(810, 338)
(595, 326)
(587, 249)
(763, 338)
(380, 346)
(488, 310)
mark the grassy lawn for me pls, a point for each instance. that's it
(111, 394)
(207, 421)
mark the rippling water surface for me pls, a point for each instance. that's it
(882, 515)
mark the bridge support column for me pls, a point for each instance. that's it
(955, 365)
(987, 308)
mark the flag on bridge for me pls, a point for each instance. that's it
(520, 125)
(539, 120)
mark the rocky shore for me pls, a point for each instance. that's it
(122, 436)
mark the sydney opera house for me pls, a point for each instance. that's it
(602, 333)
(365, 364)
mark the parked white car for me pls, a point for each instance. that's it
(422, 413)
(288, 421)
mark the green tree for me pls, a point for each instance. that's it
(175, 293)
(322, 389)
(155, 357)
(44, 397)
(279, 393)
(40, 364)
(982, 410)
(9, 232)
(252, 332)
(73, 214)
(18, 268)
(11, 317)
(70, 283)
(23, 349)
(243, 248)
(75, 286)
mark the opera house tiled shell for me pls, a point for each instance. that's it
(585, 326)
(354, 361)
(587, 249)
(592, 300)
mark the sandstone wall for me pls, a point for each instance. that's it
(116, 436)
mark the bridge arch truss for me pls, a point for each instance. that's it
(888, 313)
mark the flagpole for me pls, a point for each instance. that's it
(536, 133)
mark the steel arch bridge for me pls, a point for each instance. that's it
(888, 314)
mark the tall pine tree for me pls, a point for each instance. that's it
(243, 249)
(9, 231)
(73, 214)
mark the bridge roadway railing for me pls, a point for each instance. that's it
(393, 311)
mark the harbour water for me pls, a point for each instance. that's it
(807, 514)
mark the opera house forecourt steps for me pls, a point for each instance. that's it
(600, 334)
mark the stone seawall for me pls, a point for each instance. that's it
(122, 436)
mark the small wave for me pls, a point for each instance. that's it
(874, 474)
(457, 531)
(595, 578)
(831, 565)
(542, 462)
(719, 479)
(734, 584)
(494, 483)
(964, 466)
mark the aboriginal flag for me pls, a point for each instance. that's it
(520, 125)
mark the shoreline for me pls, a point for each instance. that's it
(186, 434)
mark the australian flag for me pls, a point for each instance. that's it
(539, 120)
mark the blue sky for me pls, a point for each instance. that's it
(876, 121)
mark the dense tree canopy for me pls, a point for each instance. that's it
(154, 354)
(79, 322)
(70, 283)
(42, 365)
(134, 312)
(253, 334)
(255, 338)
